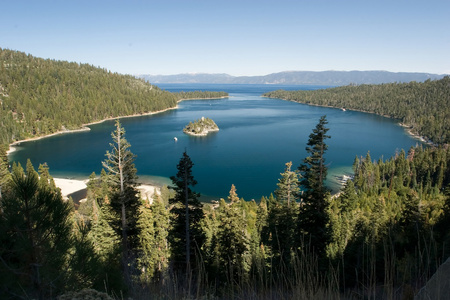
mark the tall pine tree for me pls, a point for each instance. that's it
(186, 235)
(125, 203)
(313, 216)
(231, 240)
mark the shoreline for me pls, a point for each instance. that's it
(83, 128)
(408, 128)
(200, 134)
(70, 187)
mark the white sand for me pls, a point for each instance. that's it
(70, 186)
(147, 191)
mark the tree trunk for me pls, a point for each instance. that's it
(188, 238)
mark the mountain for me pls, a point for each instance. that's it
(334, 78)
(43, 96)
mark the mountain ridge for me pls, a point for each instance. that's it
(335, 78)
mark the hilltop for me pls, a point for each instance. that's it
(39, 97)
(332, 78)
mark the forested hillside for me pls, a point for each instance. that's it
(423, 106)
(41, 96)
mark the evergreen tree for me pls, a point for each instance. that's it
(281, 230)
(35, 238)
(231, 240)
(186, 237)
(153, 245)
(4, 173)
(125, 203)
(288, 190)
(313, 217)
(342, 219)
(105, 240)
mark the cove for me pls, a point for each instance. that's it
(257, 137)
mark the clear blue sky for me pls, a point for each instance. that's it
(239, 37)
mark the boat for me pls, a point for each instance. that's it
(175, 139)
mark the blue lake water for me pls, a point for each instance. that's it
(257, 137)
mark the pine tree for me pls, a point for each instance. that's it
(125, 203)
(4, 173)
(313, 217)
(288, 190)
(153, 245)
(35, 237)
(281, 231)
(231, 240)
(342, 219)
(186, 236)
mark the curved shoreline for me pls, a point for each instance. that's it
(83, 127)
(408, 128)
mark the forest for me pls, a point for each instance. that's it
(43, 96)
(422, 106)
(381, 237)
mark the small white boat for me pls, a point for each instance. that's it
(175, 139)
(343, 109)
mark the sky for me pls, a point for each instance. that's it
(237, 37)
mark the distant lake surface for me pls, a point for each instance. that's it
(257, 137)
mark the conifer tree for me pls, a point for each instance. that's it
(153, 256)
(281, 231)
(125, 203)
(4, 173)
(288, 190)
(105, 240)
(186, 237)
(231, 240)
(342, 219)
(313, 217)
(35, 238)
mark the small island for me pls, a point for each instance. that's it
(201, 127)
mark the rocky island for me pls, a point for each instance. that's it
(201, 127)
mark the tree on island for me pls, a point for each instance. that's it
(125, 202)
(186, 235)
(201, 127)
(313, 216)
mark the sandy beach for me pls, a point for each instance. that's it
(70, 186)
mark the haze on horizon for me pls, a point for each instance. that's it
(239, 38)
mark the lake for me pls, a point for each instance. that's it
(257, 137)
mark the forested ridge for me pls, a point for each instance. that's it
(43, 96)
(425, 107)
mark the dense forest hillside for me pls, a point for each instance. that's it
(41, 96)
(425, 107)
(330, 78)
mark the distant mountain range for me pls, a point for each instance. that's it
(333, 78)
